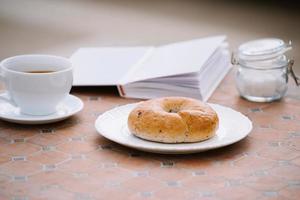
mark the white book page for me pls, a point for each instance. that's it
(177, 58)
(105, 65)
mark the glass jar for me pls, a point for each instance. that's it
(263, 69)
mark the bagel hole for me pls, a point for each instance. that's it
(172, 108)
(139, 114)
(173, 111)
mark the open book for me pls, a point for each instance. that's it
(191, 68)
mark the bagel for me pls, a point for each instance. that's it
(173, 120)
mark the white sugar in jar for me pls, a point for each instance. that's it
(263, 69)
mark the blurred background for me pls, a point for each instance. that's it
(61, 26)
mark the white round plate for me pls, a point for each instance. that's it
(233, 127)
(68, 107)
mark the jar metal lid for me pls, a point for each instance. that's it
(262, 49)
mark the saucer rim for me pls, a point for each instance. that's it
(44, 118)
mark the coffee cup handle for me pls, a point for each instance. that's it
(4, 95)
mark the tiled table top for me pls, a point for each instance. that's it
(70, 160)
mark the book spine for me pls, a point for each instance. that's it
(121, 90)
(127, 78)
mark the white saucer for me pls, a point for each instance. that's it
(233, 127)
(68, 107)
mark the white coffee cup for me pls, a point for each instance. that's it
(36, 83)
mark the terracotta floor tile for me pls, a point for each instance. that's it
(292, 193)
(240, 168)
(114, 174)
(278, 109)
(80, 129)
(53, 193)
(227, 171)
(4, 141)
(116, 193)
(268, 134)
(4, 159)
(46, 178)
(291, 101)
(246, 146)
(286, 125)
(194, 163)
(143, 184)
(103, 156)
(4, 197)
(206, 198)
(296, 161)
(278, 197)
(18, 133)
(4, 180)
(85, 185)
(48, 139)
(48, 157)
(76, 147)
(175, 193)
(266, 183)
(142, 196)
(294, 143)
(289, 171)
(169, 174)
(278, 153)
(253, 163)
(204, 183)
(94, 138)
(262, 118)
(232, 152)
(20, 168)
(238, 192)
(78, 165)
(19, 148)
(221, 96)
(15, 189)
(139, 163)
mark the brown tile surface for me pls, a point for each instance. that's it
(70, 160)
(48, 157)
(20, 168)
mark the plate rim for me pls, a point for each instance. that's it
(193, 149)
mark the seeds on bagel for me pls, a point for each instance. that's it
(173, 120)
